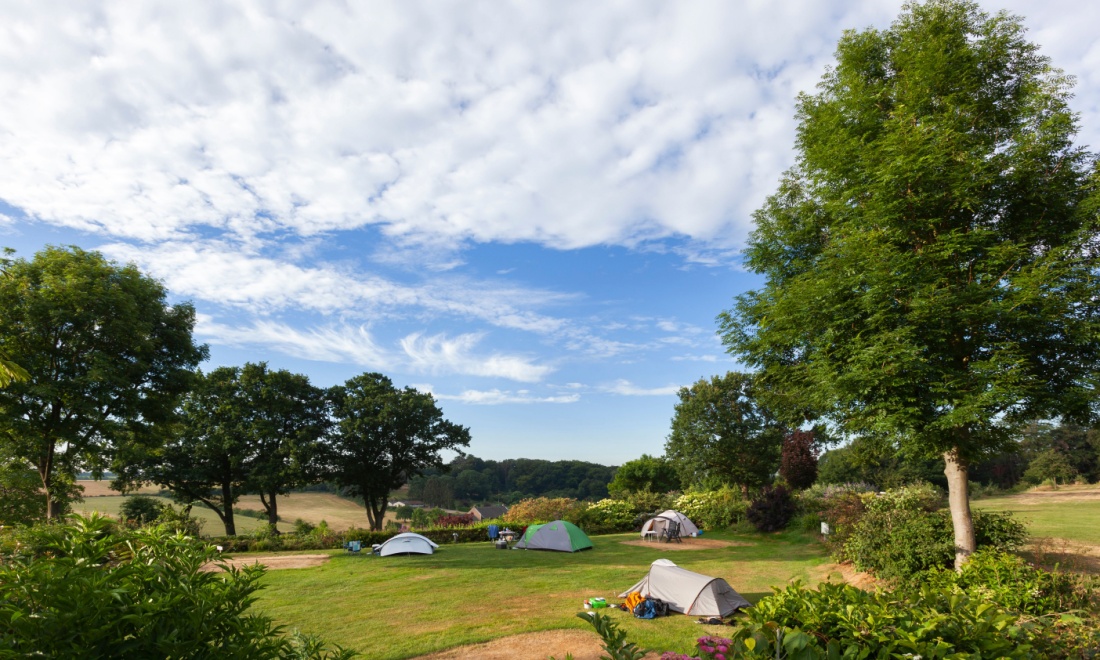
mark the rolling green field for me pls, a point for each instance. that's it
(212, 524)
(403, 607)
(1068, 513)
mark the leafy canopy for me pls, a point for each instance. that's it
(383, 436)
(930, 260)
(722, 435)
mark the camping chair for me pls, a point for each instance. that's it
(494, 531)
(672, 532)
(353, 546)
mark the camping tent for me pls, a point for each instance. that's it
(660, 522)
(688, 592)
(558, 535)
(406, 543)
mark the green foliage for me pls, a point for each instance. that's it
(903, 533)
(140, 509)
(772, 510)
(606, 517)
(91, 589)
(20, 500)
(713, 509)
(108, 359)
(839, 620)
(1010, 582)
(614, 639)
(930, 258)
(1050, 464)
(648, 473)
(721, 435)
(647, 502)
(384, 436)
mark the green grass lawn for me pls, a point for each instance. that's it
(212, 524)
(402, 607)
(1051, 515)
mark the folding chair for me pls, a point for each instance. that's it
(672, 532)
(353, 546)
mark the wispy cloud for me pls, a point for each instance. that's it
(497, 397)
(441, 354)
(626, 388)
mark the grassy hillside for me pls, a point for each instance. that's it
(1071, 512)
(403, 607)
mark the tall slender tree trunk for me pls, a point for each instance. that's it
(271, 505)
(958, 499)
(227, 505)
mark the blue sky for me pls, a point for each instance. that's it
(533, 210)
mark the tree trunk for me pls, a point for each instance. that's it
(227, 506)
(375, 514)
(958, 498)
(272, 507)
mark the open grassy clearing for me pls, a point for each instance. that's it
(1071, 512)
(404, 607)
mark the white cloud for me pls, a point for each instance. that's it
(498, 397)
(572, 124)
(354, 345)
(626, 388)
(437, 354)
(441, 354)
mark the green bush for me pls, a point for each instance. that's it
(140, 509)
(606, 517)
(901, 534)
(772, 510)
(839, 620)
(94, 589)
(713, 509)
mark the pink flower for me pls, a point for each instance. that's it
(719, 656)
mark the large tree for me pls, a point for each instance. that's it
(383, 436)
(208, 456)
(931, 257)
(284, 419)
(655, 474)
(107, 359)
(722, 435)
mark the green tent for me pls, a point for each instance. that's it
(558, 535)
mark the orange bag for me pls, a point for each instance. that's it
(632, 599)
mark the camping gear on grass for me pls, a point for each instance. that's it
(660, 524)
(558, 535)
(406, 543)
(650, 608)
(688, 592)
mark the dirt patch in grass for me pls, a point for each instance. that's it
(1046, 495)
(1067, 555)
(842, 573)
(274, 562)
(688, 544)
(531, 646)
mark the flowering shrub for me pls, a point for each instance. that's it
(710, 648)
(606, 516)
(544, 509)
(713, 509)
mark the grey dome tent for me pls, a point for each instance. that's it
(660, 522)
(558, 535)
(687, 592)
(406, 543)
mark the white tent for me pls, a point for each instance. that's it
(406, 543)
(688, 592)
(660, 523)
